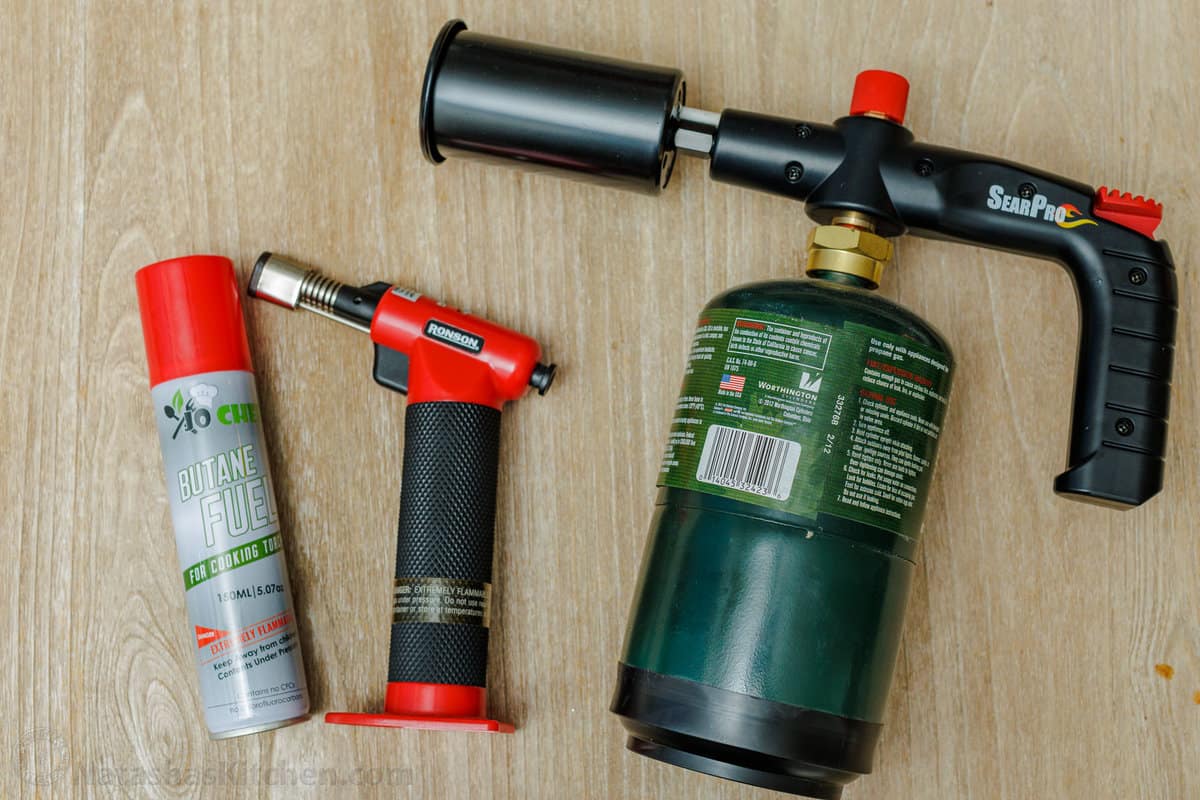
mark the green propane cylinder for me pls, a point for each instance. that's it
(767, 616)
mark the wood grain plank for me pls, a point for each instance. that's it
(133, 131)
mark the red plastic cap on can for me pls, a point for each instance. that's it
(192, 317)
(877, 91)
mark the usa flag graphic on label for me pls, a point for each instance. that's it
(733, 383)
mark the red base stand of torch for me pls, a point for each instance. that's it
(431, 707)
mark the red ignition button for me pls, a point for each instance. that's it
(877, 91)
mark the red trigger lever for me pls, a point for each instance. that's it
(1141, 214)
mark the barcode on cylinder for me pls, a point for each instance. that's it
(749, 462)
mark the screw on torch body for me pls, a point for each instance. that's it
(457, 371)
(443, 351)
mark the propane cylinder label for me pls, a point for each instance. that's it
(242, 625)
(809, 419)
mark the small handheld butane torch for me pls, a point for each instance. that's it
(458, 372)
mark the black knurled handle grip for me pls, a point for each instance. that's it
(445, 542)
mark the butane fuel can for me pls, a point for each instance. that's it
(242, 626)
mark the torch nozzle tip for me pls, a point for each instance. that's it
(277, 279)
(256, 273)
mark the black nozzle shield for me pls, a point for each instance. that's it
(599, 119)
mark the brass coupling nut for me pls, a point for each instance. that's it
(853, 251)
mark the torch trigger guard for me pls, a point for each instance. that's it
(390, 369)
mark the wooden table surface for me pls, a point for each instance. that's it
(132, 132)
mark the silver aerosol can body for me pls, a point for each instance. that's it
(242, 626)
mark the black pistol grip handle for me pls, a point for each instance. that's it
(1127, 315)
(442, 594)
(1126, 286)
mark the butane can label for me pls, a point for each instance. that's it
(226, 522)
(809, 419)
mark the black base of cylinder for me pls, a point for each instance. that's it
(730, 771)
(742, 738)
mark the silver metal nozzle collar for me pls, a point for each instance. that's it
(278, 280)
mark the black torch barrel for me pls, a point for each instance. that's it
(598, 119)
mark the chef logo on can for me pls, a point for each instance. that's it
(193, 414)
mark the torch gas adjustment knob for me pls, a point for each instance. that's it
(878, 92)
(543, 377)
